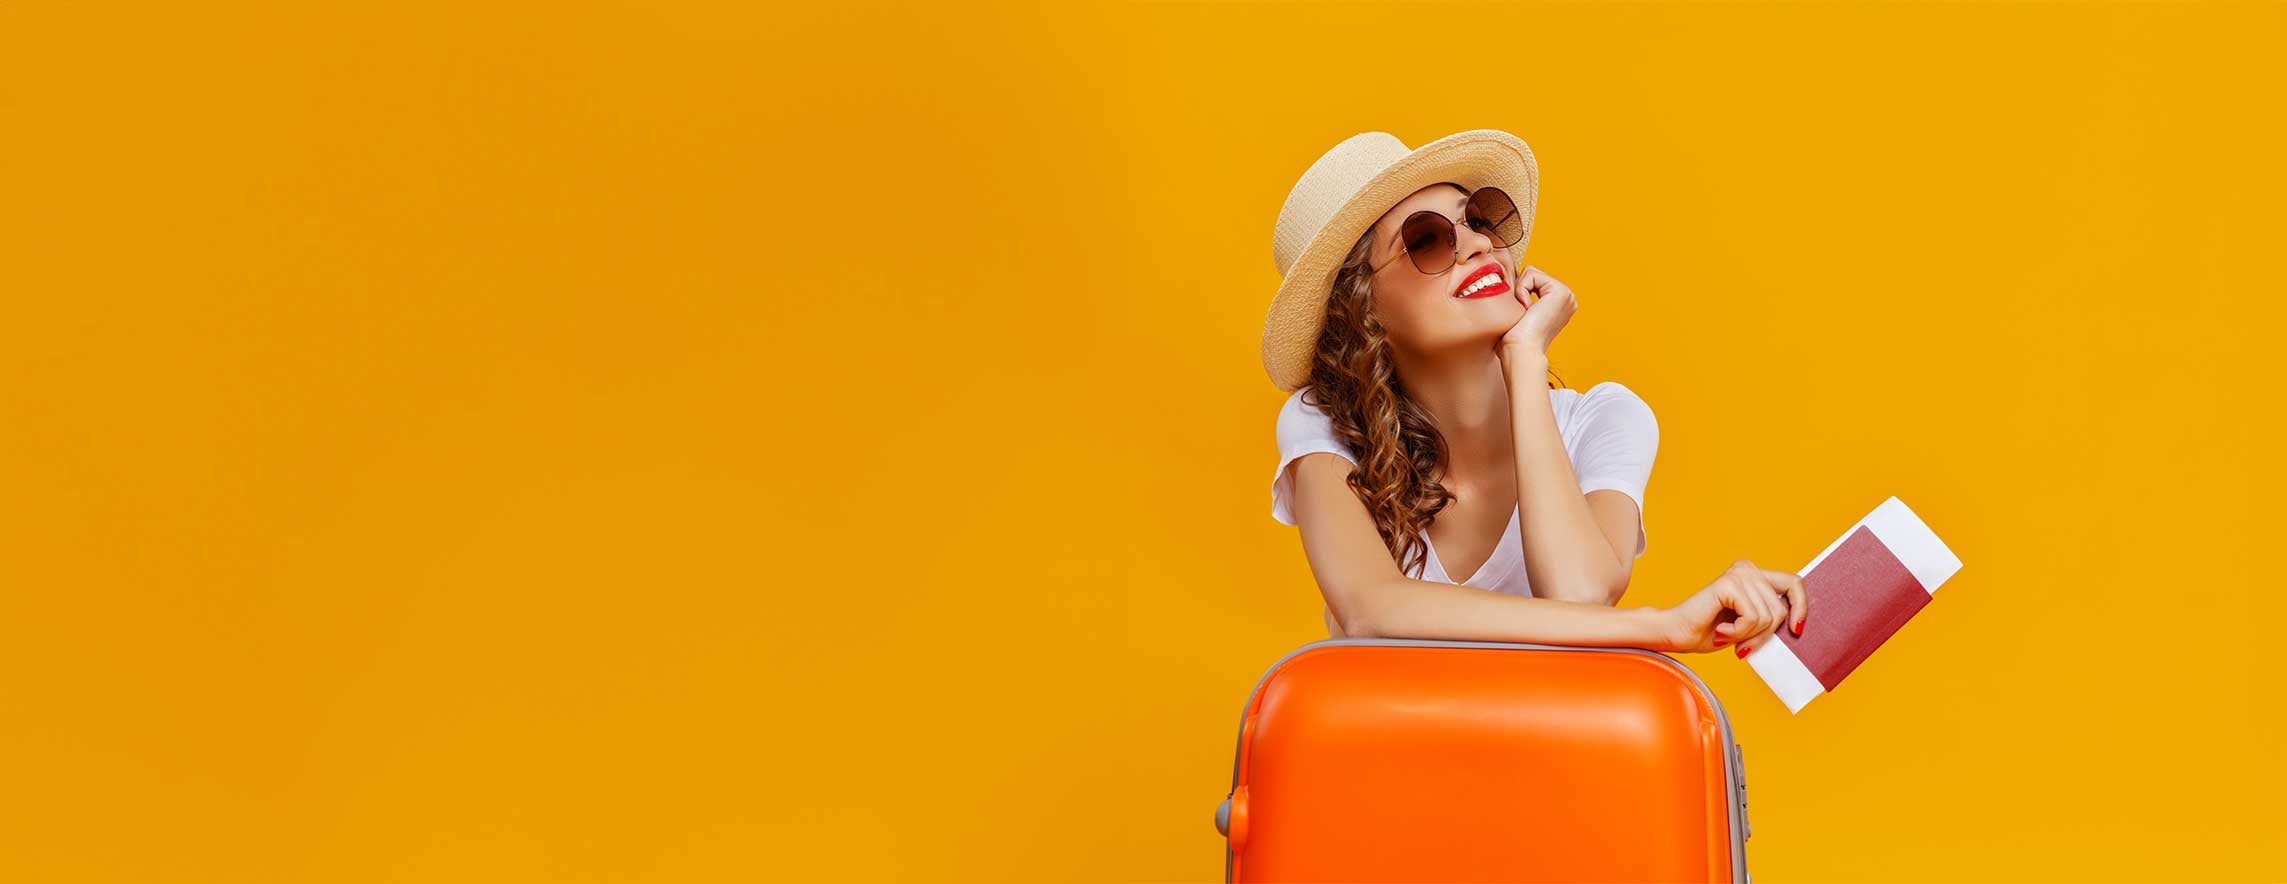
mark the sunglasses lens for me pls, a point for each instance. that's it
(1429, 241)
(1492, 213)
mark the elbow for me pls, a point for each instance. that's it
(1621, 575)
(1606, 584)
(1356, 622)
(1615, 587)
(1368, 627)
(1612, 590)
(1361, 611)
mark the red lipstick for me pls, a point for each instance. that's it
(1499, 286)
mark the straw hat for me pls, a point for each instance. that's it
(1342, 194)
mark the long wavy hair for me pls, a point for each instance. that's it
(1355, 382)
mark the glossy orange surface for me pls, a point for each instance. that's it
(1361, 762)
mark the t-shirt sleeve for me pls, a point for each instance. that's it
(1616, 439)
(1302, 429)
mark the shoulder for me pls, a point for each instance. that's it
(1304, 427)
(1615, 396)
(1298, 415)
(1607, 399)
(1604, 412)
(1297, 405)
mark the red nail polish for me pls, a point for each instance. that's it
(1742, 652)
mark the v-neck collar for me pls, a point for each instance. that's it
(1500, 548)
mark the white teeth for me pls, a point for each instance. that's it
(1481, 283)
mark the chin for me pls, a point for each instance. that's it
(1504, 315)
(1477, 340)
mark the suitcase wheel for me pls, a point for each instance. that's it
(1231, 818)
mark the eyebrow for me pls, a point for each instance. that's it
(1402, 225)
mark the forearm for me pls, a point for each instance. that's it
(1403, 607)
(1566, 555)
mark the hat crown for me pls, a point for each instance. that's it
(1330, 182)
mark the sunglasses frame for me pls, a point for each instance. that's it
(1454, 254)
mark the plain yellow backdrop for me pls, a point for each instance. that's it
(674, 442)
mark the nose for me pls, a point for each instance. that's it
(1472, 245)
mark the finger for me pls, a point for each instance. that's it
(1780, 601)
(1745, 593)
(1765, 625)
(1774, 604)
(1748, 646)
(1750, 601)
(1732, 592)
(1537, 280)
(1545, 283)
(1787, 588)
(1773, 600)
(1798, 598)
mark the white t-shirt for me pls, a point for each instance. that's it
(1608, 433)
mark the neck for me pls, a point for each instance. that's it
(1469, 398)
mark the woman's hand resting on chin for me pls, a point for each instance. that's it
(1548, 306)
(1742, 607)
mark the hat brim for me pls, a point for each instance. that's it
(1472, 159)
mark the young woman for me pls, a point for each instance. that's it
(1422, 440)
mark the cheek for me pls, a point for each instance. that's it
(1411, 312)
(1425, 318)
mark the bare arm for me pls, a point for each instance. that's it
(1370, 597)
(1574, 542)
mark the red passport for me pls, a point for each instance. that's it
(1862, 588)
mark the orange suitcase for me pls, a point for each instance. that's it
(1409, 760)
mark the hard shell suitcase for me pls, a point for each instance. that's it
(1407, 760)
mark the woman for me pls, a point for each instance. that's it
(1421, 440)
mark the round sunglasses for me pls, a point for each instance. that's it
(1434, 243)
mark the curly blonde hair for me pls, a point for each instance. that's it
(1354, 381)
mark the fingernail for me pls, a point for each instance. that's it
(1798, 629)
(1742, 650)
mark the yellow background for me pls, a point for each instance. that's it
(627, 442)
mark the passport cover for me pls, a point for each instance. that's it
(1863, 587)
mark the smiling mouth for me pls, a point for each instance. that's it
(1484, 285)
